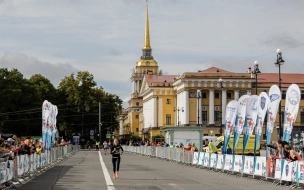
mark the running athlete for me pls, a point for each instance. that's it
(105, 147)
(115, 151)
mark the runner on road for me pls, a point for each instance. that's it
(105, 147)
(115, 151)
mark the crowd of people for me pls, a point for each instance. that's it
(282, 150)
(189, 147)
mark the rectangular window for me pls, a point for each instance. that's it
(216, 95)
(137, 103)
(302, 95)
(204, 116)
(204, 95)
(136, 116)
(168, 119)
(217, 117)
(136, 129)
(302, 117)
(264, 136)
(229, 95)
(205, 134)
(283, 95)
(217, 135)
(168, 101)
(282, 117)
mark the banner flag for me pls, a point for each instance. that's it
(292, 102)
(49, 114)
(274, 101)
(240, 118)
(250, 119)
(231, 111)
(263, 102)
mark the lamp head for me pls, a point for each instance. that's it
(256, 63)
(279, 51)
(220, 80)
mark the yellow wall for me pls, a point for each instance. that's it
(192, 111)
(134, 122)
(168, 109)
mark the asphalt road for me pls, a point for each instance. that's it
(84, 171)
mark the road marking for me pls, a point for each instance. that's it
(106, 174)
(175, 186)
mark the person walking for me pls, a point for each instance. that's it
(115, 151)
(97, 145)
(105, 147)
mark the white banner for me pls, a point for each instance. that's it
(201, 158)
(248, 165)
(228, 162)
(278, 169)
(206, 159)
(195, 158)
(213, 161)
(292, 102)
(301, 171)
(237, 163)
(220, 161)
(275, 98)
(260, 166)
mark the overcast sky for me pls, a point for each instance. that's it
(105, 37)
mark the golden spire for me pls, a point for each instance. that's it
(147, 33)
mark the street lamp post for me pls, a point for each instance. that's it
(221, 88)
(198, 106)
(178, 109)
(278, 63)
(82, 126)
(256, 71)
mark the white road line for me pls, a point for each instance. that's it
(106, 174)
(175, 186)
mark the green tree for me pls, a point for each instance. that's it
(17, 93)
(82, 97)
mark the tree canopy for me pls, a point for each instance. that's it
(77, 98)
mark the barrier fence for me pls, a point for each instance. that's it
(24, 167)
(277, 170)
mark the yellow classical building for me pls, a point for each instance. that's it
(192, 98)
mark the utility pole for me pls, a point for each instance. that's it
(99, 122)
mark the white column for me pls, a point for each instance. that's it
(236, 95)
(137, 86)
(199, 108)
(133, 86)
(120, 127)
(186, 107)
(224, 103)
(155, 122)
(249, 92)
(160, 112)
(211, 106)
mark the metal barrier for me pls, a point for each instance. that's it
(25, 167)
(242, 166)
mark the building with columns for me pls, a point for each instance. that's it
(192, 99)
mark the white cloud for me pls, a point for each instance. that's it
(106, 37)
(29, 66)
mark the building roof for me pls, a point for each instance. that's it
(214, 70)
(159, 79)
(287, 78)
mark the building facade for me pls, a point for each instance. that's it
(192, 98)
